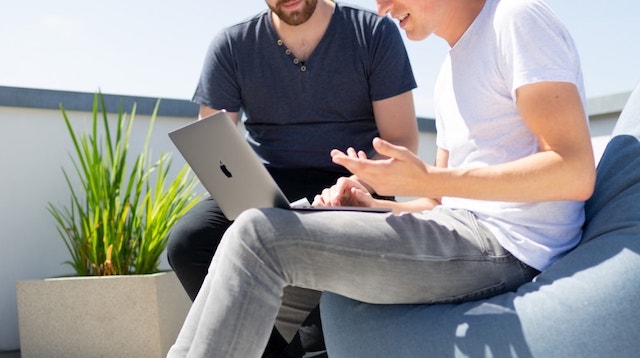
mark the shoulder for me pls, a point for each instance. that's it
(240, 37)
(360, 16)
(522, 12)
(514, 7)
(247, 27)
(354, 10)
(365, 22)
(529, 21)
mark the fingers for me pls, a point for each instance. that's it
(380, 145)
(389, 150)
(318, 200)
(360, 197)
(348, 159)
(325, 198)
(330, 196)
(355, 161)
(335, 153)
(352, 153)
(341, 193)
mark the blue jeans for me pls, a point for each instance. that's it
(439, 256)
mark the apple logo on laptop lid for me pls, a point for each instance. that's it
(225, 170)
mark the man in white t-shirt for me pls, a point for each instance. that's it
(503, 200)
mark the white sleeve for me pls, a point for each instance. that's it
(535, 45)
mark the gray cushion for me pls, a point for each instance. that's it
(585, 305)
(628, 123)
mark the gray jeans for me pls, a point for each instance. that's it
(439, 256)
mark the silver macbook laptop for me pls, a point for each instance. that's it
(231, 171)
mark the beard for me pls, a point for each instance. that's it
(297, 17)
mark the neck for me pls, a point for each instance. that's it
(462, 13)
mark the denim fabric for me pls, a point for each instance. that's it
(441, 256)
(585, 305)
(195, 238)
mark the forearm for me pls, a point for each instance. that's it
(396, 121)
(411, 206)
(544, 176)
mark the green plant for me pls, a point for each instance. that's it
(118, 221)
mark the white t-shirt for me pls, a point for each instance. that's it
(510, 44)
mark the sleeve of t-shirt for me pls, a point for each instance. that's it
(535, 45)
(391, 72)
(217, 86)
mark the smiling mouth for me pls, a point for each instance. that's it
(290, 4)
(402, 19)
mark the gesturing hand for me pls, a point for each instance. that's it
(400, 174)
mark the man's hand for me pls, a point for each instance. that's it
(402, 173)
(345, 192)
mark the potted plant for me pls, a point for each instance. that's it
(115, 228)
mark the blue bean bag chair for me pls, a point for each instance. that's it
(585, 305)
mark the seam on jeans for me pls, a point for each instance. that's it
(475, 295)
(475, 228)
(482, 257)
(405, 256)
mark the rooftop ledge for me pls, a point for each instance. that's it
(82, 101)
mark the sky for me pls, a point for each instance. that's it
(156, 48)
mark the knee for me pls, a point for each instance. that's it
(249, 223)
(253, 241)
(178, 243)
(254, 228)
(196, 234)
(180, 234)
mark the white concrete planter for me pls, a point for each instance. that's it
(115, 316)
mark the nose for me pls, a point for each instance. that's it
(384, 6)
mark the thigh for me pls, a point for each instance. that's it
(198, 234)
(439, 256)
(192, 242)
(200, 228)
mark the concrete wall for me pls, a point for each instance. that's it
(34, 145)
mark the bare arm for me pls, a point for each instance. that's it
(207, 111)
(563, 169)
(396, 120)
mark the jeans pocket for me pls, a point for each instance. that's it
(487, 242)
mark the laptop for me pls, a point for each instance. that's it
(231, 171)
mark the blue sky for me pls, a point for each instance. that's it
(156, 48)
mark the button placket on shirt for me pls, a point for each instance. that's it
(296, 61)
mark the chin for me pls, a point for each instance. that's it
(416, 37)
